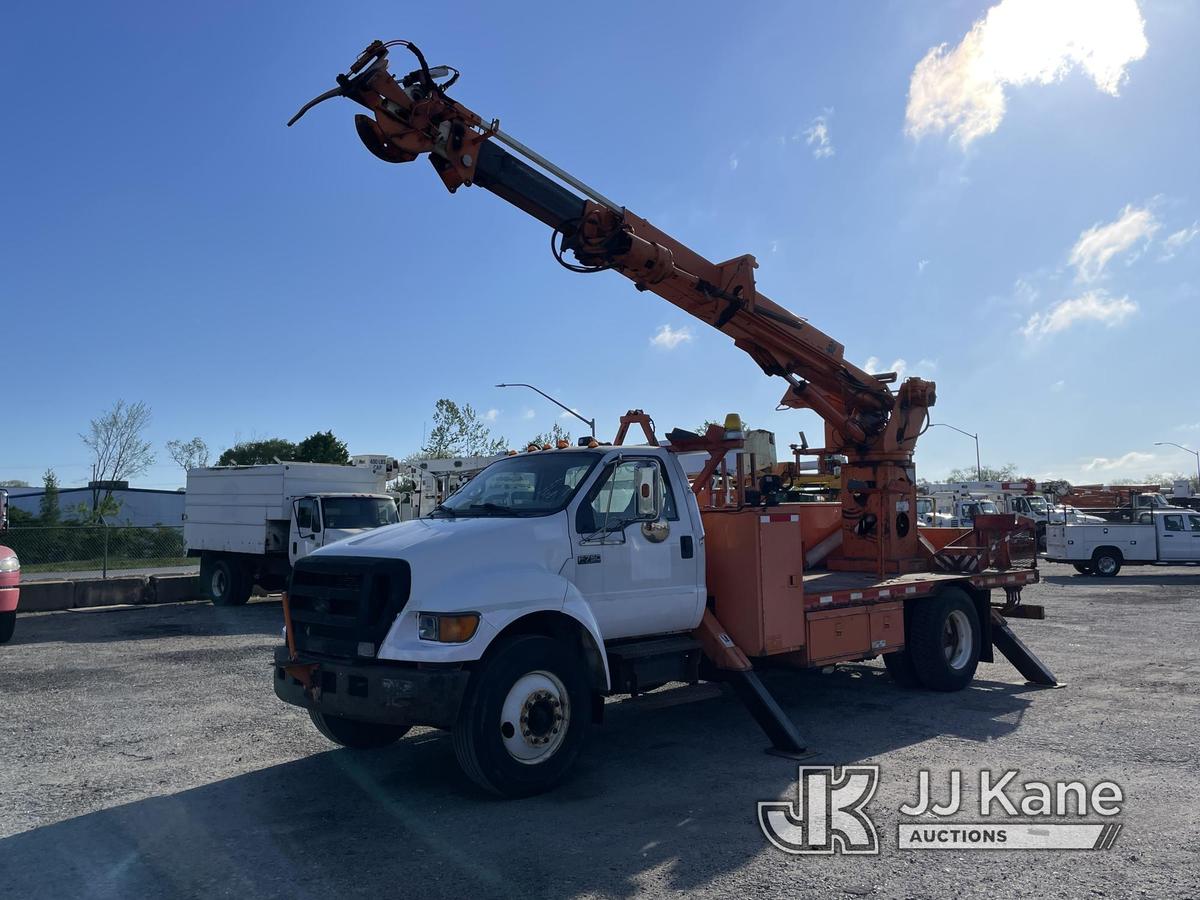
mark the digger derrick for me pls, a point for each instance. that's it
(874, 427)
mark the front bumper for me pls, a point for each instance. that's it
(375, 692)
(9, 597)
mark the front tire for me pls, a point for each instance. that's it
(356, 734)
(8, 622)
(1107, 563)
(224, 581)
(944, 640)
(525, 716)
(1085, 568)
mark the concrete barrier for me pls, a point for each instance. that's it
(48, 596)
(172, 589)
(110, 592)
(44, 596)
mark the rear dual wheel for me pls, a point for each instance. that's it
(224, 581)
(942, 646)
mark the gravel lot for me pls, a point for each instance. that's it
(143, 753)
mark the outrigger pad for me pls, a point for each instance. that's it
(1015, 651)
(785, 739)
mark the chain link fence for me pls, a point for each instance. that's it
(102, 548)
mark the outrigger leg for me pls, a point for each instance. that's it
(1025, 660)
(735, 668)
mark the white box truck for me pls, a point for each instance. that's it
(249, 524)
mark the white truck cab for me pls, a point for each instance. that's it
(1157, 536)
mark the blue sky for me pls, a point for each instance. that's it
(1018, 232)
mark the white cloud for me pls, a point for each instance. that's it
(927, 365)
(1101, 243)
(899, 366)
(921, 264)
(1131, 459)
(491, 415)
(1094, 306)
(528, 414)
(1058, 386)
(668, 338)
(733, 161)
(774, 246)
(1021, 42)
(817, 137)
(1178, 240)
(1195, 426)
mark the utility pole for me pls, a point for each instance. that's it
(974, 437)
(590, 423)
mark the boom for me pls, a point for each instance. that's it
(875, 428)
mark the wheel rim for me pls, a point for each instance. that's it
(535, 717)
(219, 583)
(1106, 565)
(957, 639)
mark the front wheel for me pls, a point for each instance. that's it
(355, 733)
(1085, 568)
(8, 622)
(944, 639)
(525, 716)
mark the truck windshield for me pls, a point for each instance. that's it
(358, 512)
(1039, 505)
(530, 484)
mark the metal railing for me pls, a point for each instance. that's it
(96, 548)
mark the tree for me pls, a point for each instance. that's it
(551, 437)
(191, 454)
(323, 447)
(48, 508)
(257, 453)
(1006, 472)
(119, 448)
(458, 431)
(14, 482)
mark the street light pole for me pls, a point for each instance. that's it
(974, 437)
(1195, 453)
(591, 423)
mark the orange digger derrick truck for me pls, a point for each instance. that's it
(604, 569)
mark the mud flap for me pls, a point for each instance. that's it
(785, 738)
(1022, 658)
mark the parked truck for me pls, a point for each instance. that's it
(10, 579)
(250, 524)
(1156, 537)
(1117, 503)
(555, 578)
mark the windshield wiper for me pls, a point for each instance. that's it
(443, 508)
(495, 508)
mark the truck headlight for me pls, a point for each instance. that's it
(10, 564)
(447, 628)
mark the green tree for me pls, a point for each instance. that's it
(48, 509)
(551, 437)
(990, 473)
(458, 431)
(256, 453)
(14, 482)
(322, 447)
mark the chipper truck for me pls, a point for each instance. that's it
(555, 578)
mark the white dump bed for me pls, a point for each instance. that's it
(244, 509)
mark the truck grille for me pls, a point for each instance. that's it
(340, 604)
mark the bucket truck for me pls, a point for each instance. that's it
(559, 577)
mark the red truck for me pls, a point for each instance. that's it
(10, 578)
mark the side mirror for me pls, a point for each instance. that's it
(316, 517)
(648, 483)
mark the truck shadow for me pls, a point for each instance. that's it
(263, 615)
(664, 798)
(1192, 577)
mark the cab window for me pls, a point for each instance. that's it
(1173, 523)
(1194, 521)
(612, 498)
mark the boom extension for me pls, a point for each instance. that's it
(875, 428)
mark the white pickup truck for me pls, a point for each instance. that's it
(1161, 536)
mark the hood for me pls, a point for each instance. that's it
(446, 550)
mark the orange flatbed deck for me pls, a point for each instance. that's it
(823, 590)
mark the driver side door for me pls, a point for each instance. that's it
(636, 580)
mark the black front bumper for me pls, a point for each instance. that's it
(375, 691)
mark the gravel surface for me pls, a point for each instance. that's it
(143, 754)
